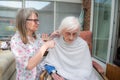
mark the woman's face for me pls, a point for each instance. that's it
(32, 23)
(70, 36)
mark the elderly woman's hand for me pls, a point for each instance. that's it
(55, 76)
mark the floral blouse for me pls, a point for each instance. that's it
(23, 52)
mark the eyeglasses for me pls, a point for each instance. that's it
(35, 20)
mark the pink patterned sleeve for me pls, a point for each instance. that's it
(20, 53)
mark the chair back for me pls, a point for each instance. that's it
(87, 36)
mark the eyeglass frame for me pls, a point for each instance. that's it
(35, 20)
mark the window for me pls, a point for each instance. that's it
(66, 9)
(7, 17)
(46, 15)
(50, 14)
(101, 28)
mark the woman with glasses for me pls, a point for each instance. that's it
(27, 46)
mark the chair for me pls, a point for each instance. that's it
(87, 36)
(112, 72)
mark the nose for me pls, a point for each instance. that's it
(71, 37)
(38, 22)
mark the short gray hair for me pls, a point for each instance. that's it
(69, 23)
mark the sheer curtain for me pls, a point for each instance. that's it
(81, 18)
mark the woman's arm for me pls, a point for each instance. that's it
(23, 59)
(33, 61)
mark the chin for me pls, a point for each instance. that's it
(36, 29)
(69, 42)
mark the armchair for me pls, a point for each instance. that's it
(112, 72)
(87, 36)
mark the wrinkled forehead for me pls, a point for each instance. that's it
(76, 30)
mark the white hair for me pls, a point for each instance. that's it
(69, 23)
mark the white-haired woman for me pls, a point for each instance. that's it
(70, 59)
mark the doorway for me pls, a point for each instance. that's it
(117, 50)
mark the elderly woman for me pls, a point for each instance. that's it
(70, 58)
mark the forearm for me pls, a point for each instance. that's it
(33, 61)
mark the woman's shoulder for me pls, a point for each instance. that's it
(16, 37)
(82, 41)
